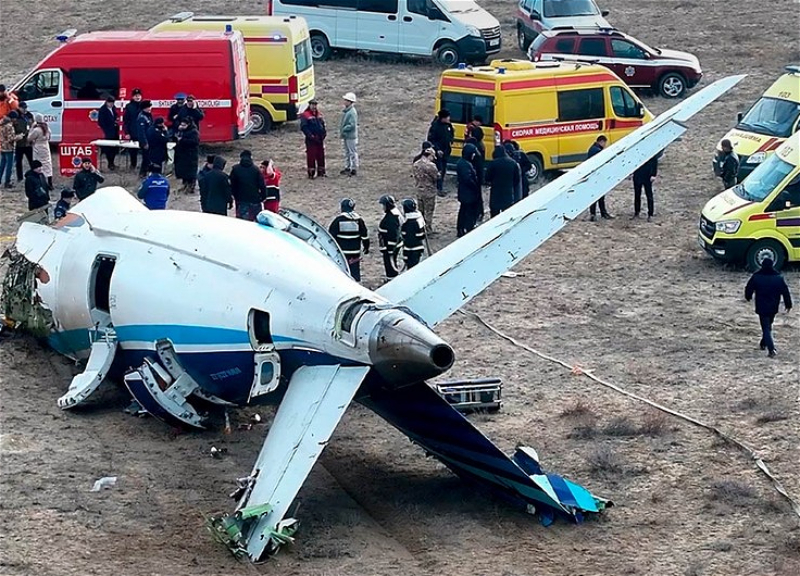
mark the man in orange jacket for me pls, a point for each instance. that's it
(8, 102)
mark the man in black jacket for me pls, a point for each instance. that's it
(470, 198)
(129, 116)
(389, 234)
(215, 189)
(727, 164)
(24, 149)
(505, 177)
(596, 148)
(144, 121)
(768, 286)
(413, 233)
(36, 187)
(107, 121)
(440, 135)
(525, 165)
(350, 232)
(86, 181)
(643, 177)
(247, 187)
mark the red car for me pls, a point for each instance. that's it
(670, 72)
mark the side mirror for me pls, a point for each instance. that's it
(639, 110)
(535, 15)
(604, 13)
(739, 116)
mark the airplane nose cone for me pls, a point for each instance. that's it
(403, 350)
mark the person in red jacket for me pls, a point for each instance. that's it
(312, 124)
(272, 178)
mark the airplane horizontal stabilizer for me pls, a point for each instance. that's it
(446, 281)
(432, 423)
(315, 402)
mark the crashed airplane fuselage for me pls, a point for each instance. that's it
(186, 305)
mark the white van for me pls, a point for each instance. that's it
(452, 31)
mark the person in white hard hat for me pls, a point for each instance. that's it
(348, 132)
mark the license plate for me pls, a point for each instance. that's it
(303, 91)
(494, 42)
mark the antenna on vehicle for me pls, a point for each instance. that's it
(66, 35)
(181, 16)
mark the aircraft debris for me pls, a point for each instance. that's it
(472, 395)
(103, 483)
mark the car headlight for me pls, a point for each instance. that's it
(729, 226)
(756, 158)
(474, 31)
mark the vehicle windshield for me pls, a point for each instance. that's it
(459, 6)
(771, 117)
(763, 179)
(560, 8)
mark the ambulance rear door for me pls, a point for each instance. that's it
(44, 92)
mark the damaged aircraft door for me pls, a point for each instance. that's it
(267, 362)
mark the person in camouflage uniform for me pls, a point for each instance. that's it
(426, 174)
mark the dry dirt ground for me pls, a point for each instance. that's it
(636, 302)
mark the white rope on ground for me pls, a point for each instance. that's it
(588, 373)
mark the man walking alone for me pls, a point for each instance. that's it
(768, 286)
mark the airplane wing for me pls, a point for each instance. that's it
(314, 404)
(445, 282)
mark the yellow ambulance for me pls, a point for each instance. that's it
(279, 65)
(760, 217)
(554, 110)
(772, 119)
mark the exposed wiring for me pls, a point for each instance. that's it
(576, 370)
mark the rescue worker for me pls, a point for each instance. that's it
(470, 196)
(22, 126)
(596, 148)
(187, 154)
(191, 111)
(36, 189)
(154, 189)
(643, 177)
(130, 116)
(504, 177)
(312, 124)
(215, 189)
(426, 178)
(525, 165)
(413, 233)
(172, 114)
(727, 164)
(86, 180)
(440, 135)
(64, 204)
(389, 234)
(348, 132)
(350, 232)
(272, 180)
(8, 102)
(144, 121)
(769, 287)
(107, 121)
(247, 187)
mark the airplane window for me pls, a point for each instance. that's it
(267, 373)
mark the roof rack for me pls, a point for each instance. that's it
(793, 69)
(571, 58)
(181, 16)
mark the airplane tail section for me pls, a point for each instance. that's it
(429, 421)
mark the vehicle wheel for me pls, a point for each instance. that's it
(320, 47)
(447, 55)
(522, 40)
(262, 121)
(536, 174)
(672, 85)
(765, 249)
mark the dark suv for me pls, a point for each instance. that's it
(670, 72)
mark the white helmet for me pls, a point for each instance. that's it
(350, 97)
